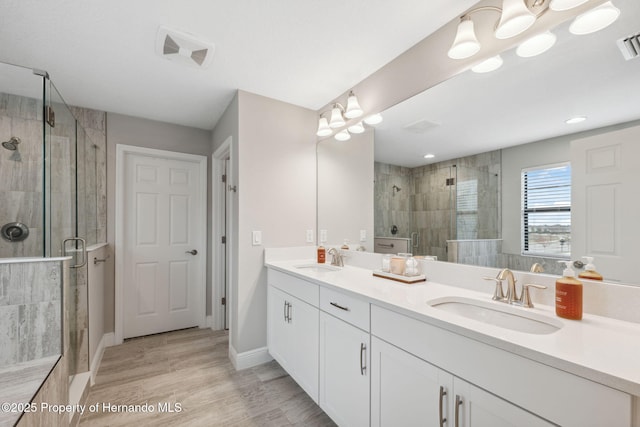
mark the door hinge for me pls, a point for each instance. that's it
(224, 240)
(224, 178)
(224, 301)
(50, 116)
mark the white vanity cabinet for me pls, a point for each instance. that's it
(493, 387)
(344, 358)
(407, 391)
(292, 328)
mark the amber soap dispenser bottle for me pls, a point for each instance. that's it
(569, 294)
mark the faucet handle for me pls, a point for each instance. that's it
(525, 299)
(498, 293)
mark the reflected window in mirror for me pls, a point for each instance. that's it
(546, 211)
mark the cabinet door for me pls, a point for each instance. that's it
(344, 372)
(406, 390)
(279, 330)
(305, 319)
(474, 407)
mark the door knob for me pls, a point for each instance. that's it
(192, 252)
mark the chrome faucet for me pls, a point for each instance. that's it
(512, 294)
(336, 257)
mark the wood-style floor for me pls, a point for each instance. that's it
(190, 372)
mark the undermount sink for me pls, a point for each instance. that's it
(498, 314)
(318, 268)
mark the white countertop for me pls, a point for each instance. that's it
(598, 348)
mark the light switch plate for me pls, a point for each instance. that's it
(256, 238)
(363, 235)
(309, 236)
(323, 236)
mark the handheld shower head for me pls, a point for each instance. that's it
(11, 144)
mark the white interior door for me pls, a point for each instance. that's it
(604, 215)
(163, 253)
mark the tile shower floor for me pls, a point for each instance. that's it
(189, 372)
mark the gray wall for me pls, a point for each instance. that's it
(150, 134)
(274, 160)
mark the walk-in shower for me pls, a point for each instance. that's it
(48, 202)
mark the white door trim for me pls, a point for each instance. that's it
(121, 151)
(217, 258)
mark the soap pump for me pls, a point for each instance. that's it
(569, 294)
(590, 270)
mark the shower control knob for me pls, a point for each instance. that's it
(192, 252)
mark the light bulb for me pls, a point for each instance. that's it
(488, 65)
(595, 19)
(323, 127)
(353, 107)
(465, 43)
(343, 135)
(536, 45)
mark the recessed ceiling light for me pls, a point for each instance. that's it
(429, 156)
(574, 120)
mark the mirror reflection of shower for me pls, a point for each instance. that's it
(12, 145)
(394, 190)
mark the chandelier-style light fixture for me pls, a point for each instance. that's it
(339, 116)
(517, 16)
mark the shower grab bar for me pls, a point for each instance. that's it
(84, 250)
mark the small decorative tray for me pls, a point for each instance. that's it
(399, 277)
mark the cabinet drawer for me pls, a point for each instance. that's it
(299, 288)
(345, 307)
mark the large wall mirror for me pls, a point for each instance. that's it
(484, 130)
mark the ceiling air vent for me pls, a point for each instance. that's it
(420, 126)
(183, 47)
(630, 46)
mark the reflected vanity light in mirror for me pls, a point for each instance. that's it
(488, 65)
(343, 135)
(353, 107)
(536, 45)
(595, 19)
(373, 119)
(337, 121)
(323, 127)
(357, 128)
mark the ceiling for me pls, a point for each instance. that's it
(526, 100)
(101, 54)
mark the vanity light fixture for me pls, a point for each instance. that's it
(343, 135)
(339, 116)
(595, 19)
(323, 127)
(357, 128)
(488, 65)
(536, 45)
(576, 119)
(517, 16)
(466, 43)
(515, 19)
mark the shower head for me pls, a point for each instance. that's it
(11, 144)
(396, 188)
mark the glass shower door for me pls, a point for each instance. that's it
(61, 205)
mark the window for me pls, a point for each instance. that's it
(546, 211)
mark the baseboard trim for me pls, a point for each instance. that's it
(249, 359)
(107, 340)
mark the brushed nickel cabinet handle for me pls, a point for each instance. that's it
(284, 310)
(443, 393)
(289, 312)
(363, 358)
(458, 404)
